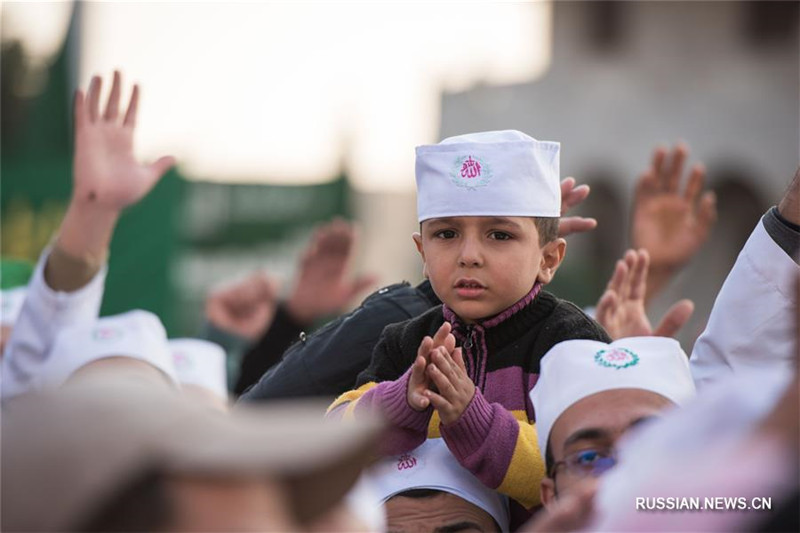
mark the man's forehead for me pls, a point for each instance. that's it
(606, 415)
(436, 512)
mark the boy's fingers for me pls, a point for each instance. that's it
(418, 371)
(449, 343)
(445, 363)
(442, 333)
(458, 357)
(437, 400)
(425, 347)
(442, 382)
(130, 116)
(112, 107)
(419, 401)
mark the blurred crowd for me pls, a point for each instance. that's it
(475, 400)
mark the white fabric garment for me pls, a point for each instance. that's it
(494, 173)
(707, 449)
(11, 301)
(752, 323)
(44, 313)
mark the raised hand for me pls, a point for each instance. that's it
(105, 171)
(621, 309)
(419, 382)
(454, 386)
(671, 225)
(245, 308)
(570, 197)
(323, 286)
(106, 179)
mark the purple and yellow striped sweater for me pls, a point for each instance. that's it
(495, 437)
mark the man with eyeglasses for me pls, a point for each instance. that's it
(590, 393)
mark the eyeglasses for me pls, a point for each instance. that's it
(591, 462)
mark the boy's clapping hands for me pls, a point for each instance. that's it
(419, 381)
(455, 388)
(439, 377)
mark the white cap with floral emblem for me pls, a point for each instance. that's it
(575, 369)
(492, 173)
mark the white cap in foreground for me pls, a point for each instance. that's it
(432, 466)
(136, 334)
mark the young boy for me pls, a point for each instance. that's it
(488, 205)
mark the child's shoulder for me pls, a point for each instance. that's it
(409, 333)
(568, 321)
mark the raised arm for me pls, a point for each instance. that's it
(67, 286)
(752, 324)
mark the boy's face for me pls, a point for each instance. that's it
(480, 266)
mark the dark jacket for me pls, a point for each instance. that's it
(327, 362)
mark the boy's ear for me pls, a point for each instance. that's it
(418, 242)
(552, 255)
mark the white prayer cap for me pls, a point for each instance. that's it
(432, 466)
(572, 370)
(12, 301)
(201, 363)
(493, 173)
(135, 334)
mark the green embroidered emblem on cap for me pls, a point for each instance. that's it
(618, 358)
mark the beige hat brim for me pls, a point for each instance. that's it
(64, 452)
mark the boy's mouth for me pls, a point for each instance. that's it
(469, 288)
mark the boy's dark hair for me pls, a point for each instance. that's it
(547, 228)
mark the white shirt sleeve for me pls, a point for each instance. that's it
(44, 313)
(753, 321)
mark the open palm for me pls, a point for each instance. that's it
(106, 173)
(671, 226)
(621, 309)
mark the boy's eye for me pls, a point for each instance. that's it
(499, 236)
(445, 234)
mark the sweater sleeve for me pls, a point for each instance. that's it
(383, 390)
(499, 448)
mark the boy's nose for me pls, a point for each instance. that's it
(471, 255)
